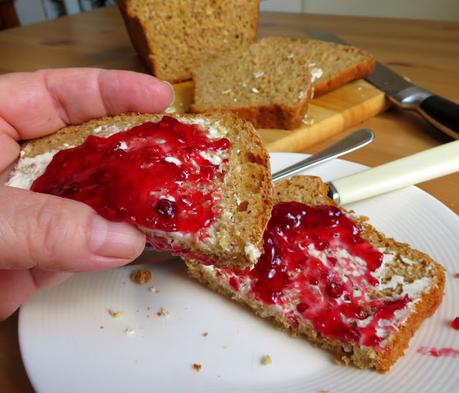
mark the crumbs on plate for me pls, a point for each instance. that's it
(141, 276)
(162, 312)
(115, 314)
(197, 367)
(265, 360)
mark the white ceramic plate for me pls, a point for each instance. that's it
(65, 349)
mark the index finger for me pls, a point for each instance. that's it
(39, 103)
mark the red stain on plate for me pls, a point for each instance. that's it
(455, 323)
(439, 352)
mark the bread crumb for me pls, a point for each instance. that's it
(129, 332)
(456, 275)
(197, 367)
(324, 391)
(307, 121)
(153, 290)
(101, 327)
(162, 312)
(141, 276)
(265, 360)
(205, 334)
(115, 314)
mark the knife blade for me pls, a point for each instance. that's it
(440, 112)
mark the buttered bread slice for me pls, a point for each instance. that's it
(330, 276)
(197, 185)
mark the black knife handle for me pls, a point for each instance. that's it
(442, 113)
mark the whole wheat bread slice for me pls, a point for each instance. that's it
(334, 65)
(403, 269)
(268, 84)
(235, 237)
(174, 36)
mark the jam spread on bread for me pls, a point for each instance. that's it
(157, 175)
(316, 267)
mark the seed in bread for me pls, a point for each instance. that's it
(213, 205)
(268, 84)
(330, 276)
(174, 36)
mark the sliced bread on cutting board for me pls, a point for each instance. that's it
(271, 82)
(195, 184)
(174, 36)
(333, 65)
(268, 83)
(330, 276)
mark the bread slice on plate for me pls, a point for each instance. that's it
(197, 185)
(328, 275)
(173, 36)
(268, 84)
(333, 65)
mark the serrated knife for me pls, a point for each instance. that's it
(440, 112)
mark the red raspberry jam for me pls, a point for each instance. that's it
(317, 267)
(439, 352)
(455, 323)
(154, 176)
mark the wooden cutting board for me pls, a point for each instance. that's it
(327, 115)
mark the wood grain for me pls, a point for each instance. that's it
(425, 51)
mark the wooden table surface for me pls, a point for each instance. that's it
(424, 51)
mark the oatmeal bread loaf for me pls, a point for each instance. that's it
(328, 275)
(174, 36)
(197, 185)
(268, 84)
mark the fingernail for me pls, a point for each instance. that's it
(115, 239)
(172, 91)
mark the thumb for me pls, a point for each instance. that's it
(52, 233)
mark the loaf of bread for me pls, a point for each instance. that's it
(174, 36)
(333, 65)
(328, 275)
(196, 185)
(268, 84)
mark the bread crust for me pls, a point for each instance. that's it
(147, 49)
(313, 191)
(136, 29)
(270, 116)
(246, 189)
(360, 71)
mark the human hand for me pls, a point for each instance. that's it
(43, 238)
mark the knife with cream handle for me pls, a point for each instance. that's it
(429, 164)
